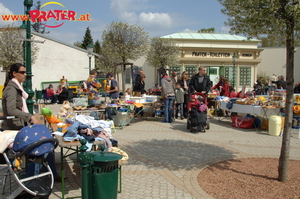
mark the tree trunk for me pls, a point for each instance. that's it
(285, 147)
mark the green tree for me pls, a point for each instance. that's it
(38, 26)
(276, 17)
(11, 50)
(97, 47)
(163, 52)
(207, 30)
(87, 39)
(78, 44)
(123, 43)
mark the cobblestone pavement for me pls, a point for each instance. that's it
(165, 159)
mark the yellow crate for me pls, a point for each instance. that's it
(1, 88)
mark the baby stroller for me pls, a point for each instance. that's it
(197, 117)
(25, 160)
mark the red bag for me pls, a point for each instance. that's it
(242, 122)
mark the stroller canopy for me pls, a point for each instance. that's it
(30, 135)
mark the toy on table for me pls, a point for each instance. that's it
(65, 110)
(49, 116)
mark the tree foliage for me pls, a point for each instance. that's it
(276, 41)
(38, 26)
(207, 30)
(123, 42)
(163, 52)
(11, 50)
(77, 44)
(97, 47)
(87, 39)
(255, 18)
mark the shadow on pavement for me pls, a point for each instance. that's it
(174, 154)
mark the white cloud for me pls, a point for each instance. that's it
(157, 20)
(225, 29)
(127, 10)
(5, 11)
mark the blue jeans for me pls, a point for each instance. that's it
(34, 168)
(168, 108)
(179, 108)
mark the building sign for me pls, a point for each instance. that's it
(210, 54)
(246, 55)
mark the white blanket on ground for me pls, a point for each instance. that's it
(6, 138)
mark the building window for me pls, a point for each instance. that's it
(228, 73)
(191, 70)
(245, 76)
(212, 71)
(177, 68)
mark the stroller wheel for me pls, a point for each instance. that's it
(188, 124)
(207, 124)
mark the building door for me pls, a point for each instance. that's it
(214, 73)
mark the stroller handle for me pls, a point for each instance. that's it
(32, 146)
(7, 117)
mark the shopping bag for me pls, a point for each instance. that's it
(242, 122)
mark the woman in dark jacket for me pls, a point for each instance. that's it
(14, 99)
(184, 82)
(63, 95)
(140, 87)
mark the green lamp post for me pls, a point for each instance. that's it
(90, 49)
(233, 71)
(28, 83)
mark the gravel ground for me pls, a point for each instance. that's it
(250, 178)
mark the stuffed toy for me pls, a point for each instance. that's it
(49, 117)
(65, 110)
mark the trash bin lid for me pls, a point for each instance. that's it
(102, 156)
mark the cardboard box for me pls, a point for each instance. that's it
(40, 118)
(38, 107)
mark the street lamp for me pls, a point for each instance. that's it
(28, 82)
(25, 36)
(90, 49)
(233, 72)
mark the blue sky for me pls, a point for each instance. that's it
(157, 17)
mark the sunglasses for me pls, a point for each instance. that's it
(22, 72)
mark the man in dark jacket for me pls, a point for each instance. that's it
(200, 82)
(281, 83)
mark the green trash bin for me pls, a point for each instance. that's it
(104, 175)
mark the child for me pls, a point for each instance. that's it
(179, 100)
(232, 93)
(194, 102)
(128, 92)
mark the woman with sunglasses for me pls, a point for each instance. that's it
(14, 99)
(14, 104)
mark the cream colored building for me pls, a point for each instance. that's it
(215, 52)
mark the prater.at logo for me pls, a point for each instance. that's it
(45, 16)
